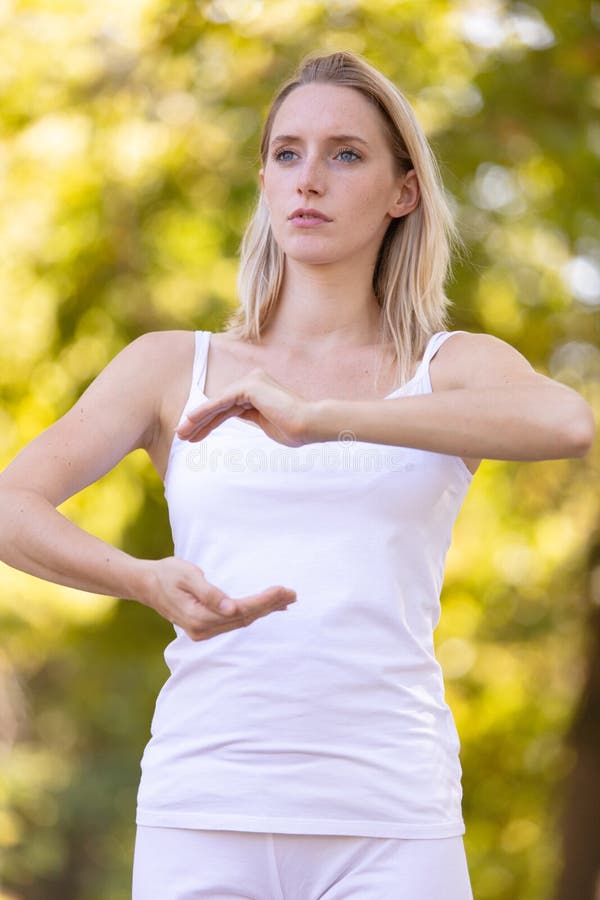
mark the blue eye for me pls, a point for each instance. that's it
(346, 151)
(279, 154)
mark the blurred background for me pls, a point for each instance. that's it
(128, 157)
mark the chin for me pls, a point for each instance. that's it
(315, 260)
(315, 256)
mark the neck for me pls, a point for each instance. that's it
(326, 306)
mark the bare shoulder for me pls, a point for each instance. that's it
(469, 359)
(148, 382)
(160, 348)
(120, 411)
(168, 359)
(159, 359)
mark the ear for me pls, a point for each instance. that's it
(407, 195)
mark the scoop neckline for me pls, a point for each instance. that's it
(376, 400)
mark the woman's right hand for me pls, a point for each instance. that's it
(180, 593)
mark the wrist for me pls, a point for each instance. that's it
(143, 581)
(320, 421)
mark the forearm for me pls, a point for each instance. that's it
(37, 539)
(518, 422)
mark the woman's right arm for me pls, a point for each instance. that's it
(118, 413)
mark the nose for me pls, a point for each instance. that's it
(311, 176)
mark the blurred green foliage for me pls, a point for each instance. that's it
(128, 152)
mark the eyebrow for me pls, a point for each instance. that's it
(341, 138)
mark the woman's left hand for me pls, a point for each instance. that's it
(282, 414)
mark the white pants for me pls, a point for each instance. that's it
(183, 864)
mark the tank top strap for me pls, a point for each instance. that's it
(200, 361)
(434, 344)
(196, 394)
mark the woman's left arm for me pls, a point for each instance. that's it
(491, 405)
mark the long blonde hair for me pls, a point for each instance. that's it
(415, 255)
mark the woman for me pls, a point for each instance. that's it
(327, 440)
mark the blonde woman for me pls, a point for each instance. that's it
(315, 456)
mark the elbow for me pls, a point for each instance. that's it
(581, 431)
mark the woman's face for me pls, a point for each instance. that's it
(328, 152)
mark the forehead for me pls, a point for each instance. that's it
(327, 108)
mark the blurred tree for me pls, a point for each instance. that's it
(129, 153)
(580, 875)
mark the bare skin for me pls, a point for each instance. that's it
(486, 398)
(311, 377)
(350, 376)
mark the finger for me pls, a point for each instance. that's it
(208, 410)
(246, 613)
(271, 598)
(210, 406)
(189, 430)
(278, 591)
(198, 432)
(254, 605)
(238, 622)
(251, 415)
(209, 595)
(250, 617)
(225, 607)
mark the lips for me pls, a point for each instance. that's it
(308, 215)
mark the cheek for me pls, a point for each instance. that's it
(368, 194)
(371, 202)
(274, 195)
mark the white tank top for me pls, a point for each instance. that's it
(330, 717)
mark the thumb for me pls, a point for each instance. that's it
(209, 594)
